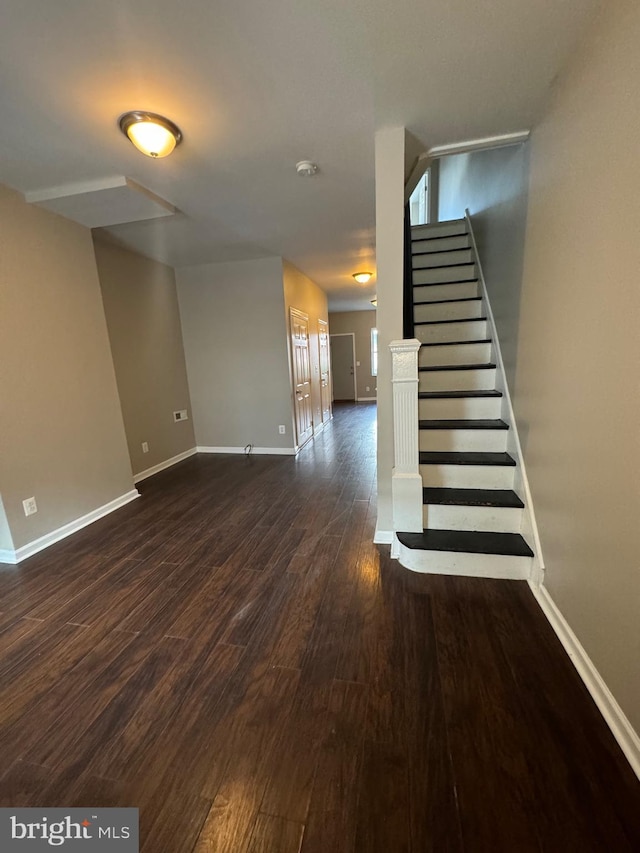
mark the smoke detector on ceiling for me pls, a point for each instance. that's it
(306, 168)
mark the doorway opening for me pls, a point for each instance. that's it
(343, 366)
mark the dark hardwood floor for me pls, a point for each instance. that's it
(234, 656)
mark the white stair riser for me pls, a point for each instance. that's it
(439, 229)
(459, 408)
(434, 292)
(464, 440)
(473, 330)
(443, 244)
(435, 276)
(486, 518)
(447, 311)
(498, 566)
(457, 380)
(440, 259)
(468, 476)
(454, 354)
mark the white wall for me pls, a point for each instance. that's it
(493, 185)
(235, 341)
(571, 332)
(391, 167)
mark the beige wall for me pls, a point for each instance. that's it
(61, 429)
(235, 341)
(577, 386)
(141, 307)
(493, 185)
(360, 323)
(302, 293)
(570, 333)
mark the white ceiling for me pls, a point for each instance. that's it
(255, 87)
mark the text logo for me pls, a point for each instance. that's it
(79, 830)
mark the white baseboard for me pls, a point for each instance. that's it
(395, 547)
(317, 428)
(365, 399)
(155, 469)
(20, 554)
(255, 451)
(383, 537)
(613, 714)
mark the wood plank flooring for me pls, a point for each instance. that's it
(233, 655)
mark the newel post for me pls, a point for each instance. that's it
(406, 483)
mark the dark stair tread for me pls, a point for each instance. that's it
(471, 497)
(440, 283)
(445, 301)
(440, 322)
(455, 343)
(458, 223)
(447, 266)
(415, 254)
(485, 366)
(456, 395)
(482, 423)
(448, 457)
(467, 541)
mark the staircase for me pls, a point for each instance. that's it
(472, 516)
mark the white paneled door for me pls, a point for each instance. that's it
(325, 373)
(301, 375)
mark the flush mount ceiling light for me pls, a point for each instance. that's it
(362, 277)
(152, 134)
(306, 168)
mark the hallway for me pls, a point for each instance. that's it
(234, 656)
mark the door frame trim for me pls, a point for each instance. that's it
(355, 365)
(322, 322)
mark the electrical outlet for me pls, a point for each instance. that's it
(366, 388)
(182, 415)
(30, 507)
(282, 429)
(145, 446)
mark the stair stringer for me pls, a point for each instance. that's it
(529, 527)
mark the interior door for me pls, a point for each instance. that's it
(301, 375)
(325, 378)
(342, 367)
